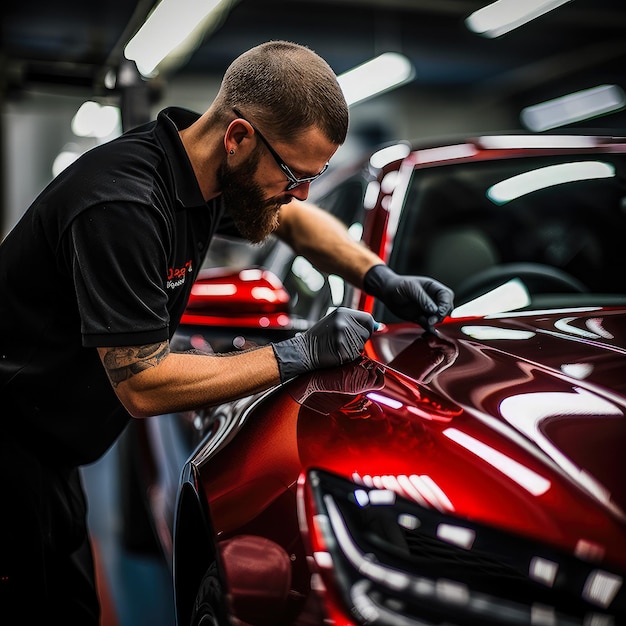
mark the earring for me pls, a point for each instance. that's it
(232, 152)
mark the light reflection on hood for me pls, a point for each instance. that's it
(526, 412)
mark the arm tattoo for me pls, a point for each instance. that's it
(123, 362)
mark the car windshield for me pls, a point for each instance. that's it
(555, 223)
(563, 217)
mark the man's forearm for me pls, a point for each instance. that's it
(180, 382)
(325, 242)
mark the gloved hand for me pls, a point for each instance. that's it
(414, 298)
(336, 339)
(327, 390)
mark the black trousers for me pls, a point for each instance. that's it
(46, 561)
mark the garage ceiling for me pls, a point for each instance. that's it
(71, 44)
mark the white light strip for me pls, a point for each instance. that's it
(167, 28)
(456, 535)
(534, 483)
(493, 332)
(544, 177)
(536, 312)
(574, 107)
(499, 142)
(387, 155)
(504, 15)
(385, 72)
(511, 295)
(446, 153)
(390, 402)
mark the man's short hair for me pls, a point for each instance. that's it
(286, 88)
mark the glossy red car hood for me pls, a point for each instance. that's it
(515, 421)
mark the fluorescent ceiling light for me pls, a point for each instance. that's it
(95, 120)
(385, 72)
(167, 30)
(526, 183)
(504, 15)
(575, 107)
(174, 26)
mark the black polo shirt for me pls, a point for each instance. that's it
(105, 256)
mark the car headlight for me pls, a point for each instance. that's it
(391, 561)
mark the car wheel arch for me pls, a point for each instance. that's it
(195, 550)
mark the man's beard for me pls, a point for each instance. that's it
(254, 217)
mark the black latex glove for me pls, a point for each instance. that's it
(327, 390)
(336, 339)
(414, 298)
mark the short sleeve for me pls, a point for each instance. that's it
(119, 258)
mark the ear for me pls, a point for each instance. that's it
(237, 135)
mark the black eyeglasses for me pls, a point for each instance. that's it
(294, 181)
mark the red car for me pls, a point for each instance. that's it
(471, 476)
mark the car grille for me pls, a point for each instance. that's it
(394, 562)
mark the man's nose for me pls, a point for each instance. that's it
(301, 192)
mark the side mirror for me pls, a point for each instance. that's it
(253, 298)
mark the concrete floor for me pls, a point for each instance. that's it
(135, 590)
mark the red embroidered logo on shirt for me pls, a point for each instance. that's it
(176, 275)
